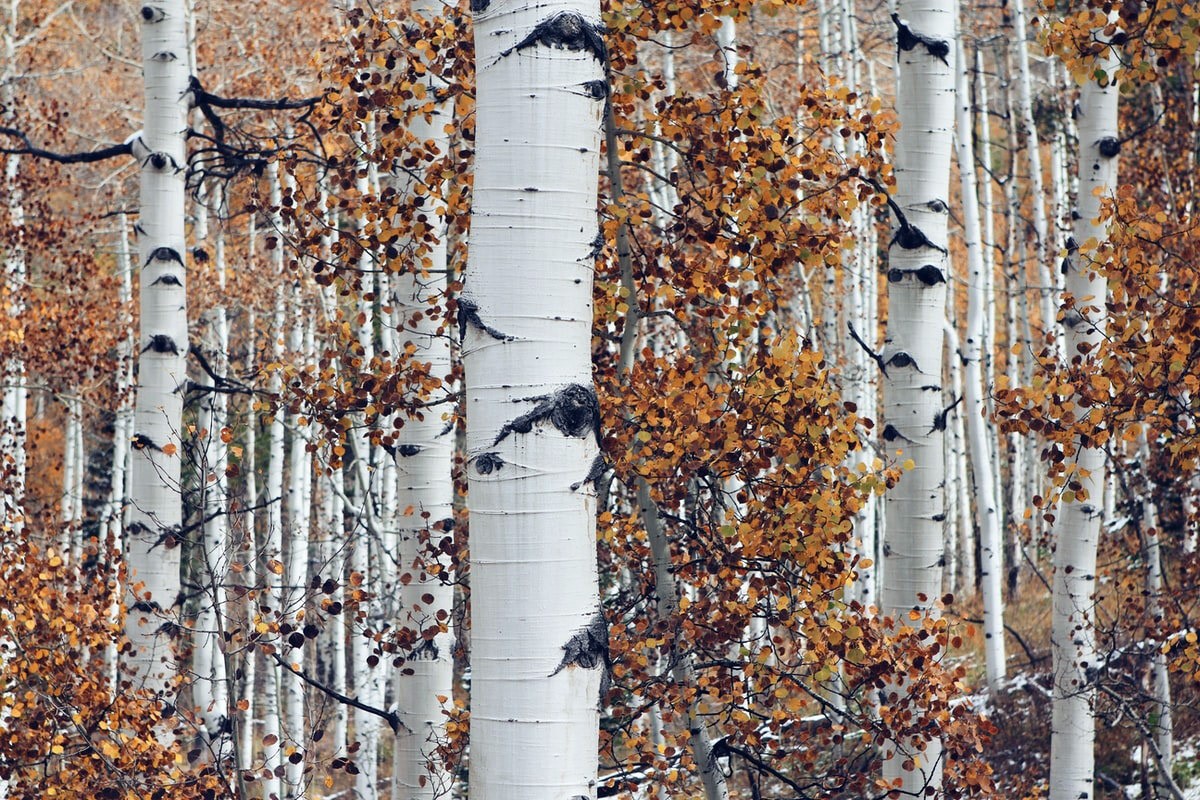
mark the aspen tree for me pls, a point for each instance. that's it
(912, 357)
(152, 552)
(539, 639)
(1073, 635)
(986, 512)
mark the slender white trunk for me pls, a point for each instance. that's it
(1073, 633)
(152, 555)
(1033, 156)
(424, 460)
(210, 690)
(987, 514)
(912, 353)
(539, 637)
(298, 505)
(251, 655)
(1161, 725)
(272, 554)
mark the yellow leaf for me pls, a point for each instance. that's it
(169, 449)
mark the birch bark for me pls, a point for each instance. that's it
(986, 512)
(539, 638)
(1073, 645)
(152, 554)
(912, 355)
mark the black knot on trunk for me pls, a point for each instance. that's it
(597, 90)
(408, 450)
(487, 463)
(161, 343)
(907, 39)
(937, 206)
(569, 31)
(167, 280)
(1109, 146)
(901, 359)
(573, 410)
(910, 237)
(589, 649)
(479, 6)
(595, 473)
(468, 315)
(164, 254)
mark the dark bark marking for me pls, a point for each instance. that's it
(152, 14)
(597, 90)
(1109, 146)
(574, 410)
(937, 206)
(594, 474)
(147, 607)
(939, 422)
(902, 359)
(890, 434)
(487, 463)
(597, 245)
(427, 650)
(479, 6)
(930, 275)
(588, 649)
(907, 39)
(161, 343)
(408, 450)
(140, 441)
(164, 254)
(468, 314)
(565, 30)
(167, 280)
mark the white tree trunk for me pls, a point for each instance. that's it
(912, 353)
(424, 460)
(272, 555)
(210, 689)
(539, 638)
(1073, 631)
(1033, 156)
(987, 514)
(152, 554)
(298, 505)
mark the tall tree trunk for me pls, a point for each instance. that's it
(539, 637)
(986, 512)
(210, 690)
(1073, 636)
(152, 555)
(912, 356)
(424, 462)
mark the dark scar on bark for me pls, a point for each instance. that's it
(597, 246)
(408, 450)
(939, 422)
(487, 463)
(595, 472)
(141, 441)
(890, 434)
(597, 90)
(167, 280)
(588, 649)
(902, 360)
(907, 39)
(479, 6)
(425, 651)
(164, 254)
(161, 343)
(147, 607)
(566, 30)
(929, 275)
(573, 409)
(468, 314)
